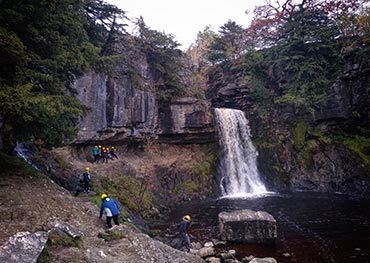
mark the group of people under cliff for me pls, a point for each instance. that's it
(101, 153)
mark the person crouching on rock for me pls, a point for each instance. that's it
(111, 209)
(183, 233)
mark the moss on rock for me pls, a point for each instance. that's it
(299, 133)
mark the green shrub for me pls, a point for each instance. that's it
(109, 235)
(16, 165)
(64, 241)
(360, 146)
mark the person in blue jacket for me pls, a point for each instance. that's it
(183, 233)
(96, 155)
(111, 209)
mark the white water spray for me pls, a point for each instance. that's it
(238, 168)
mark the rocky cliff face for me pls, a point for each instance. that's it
(325, 150)
(186, 120)
(125, 106)
(120, 111)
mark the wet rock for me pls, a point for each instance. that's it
(247, 259)
(208, 244)
(263, 260)
(206, 252)
(219, 243)
(213, 260)
(196, 245)
(247, 226)
(231, 261)
(23, 247)
(228, 255)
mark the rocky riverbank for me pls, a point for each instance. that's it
(29, 200)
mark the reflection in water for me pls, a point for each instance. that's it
(312, 227)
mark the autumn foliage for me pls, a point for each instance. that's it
(350, 16)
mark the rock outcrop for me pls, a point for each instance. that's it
(121, 111)
(247, 226)
(118, 110)
(186, 120)
(23, 247)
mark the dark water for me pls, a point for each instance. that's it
(312, 227)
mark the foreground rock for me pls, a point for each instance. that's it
(248, 226)
(263, 260)
(137, 247)
(23, 247)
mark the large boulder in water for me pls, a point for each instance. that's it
(247, 226)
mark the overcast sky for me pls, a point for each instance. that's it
(184, 19)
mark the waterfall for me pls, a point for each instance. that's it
(238, 168)
(22, 152)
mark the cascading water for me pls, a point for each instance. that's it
(238, 167)
(22, 151)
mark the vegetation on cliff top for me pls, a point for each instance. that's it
(46, 45)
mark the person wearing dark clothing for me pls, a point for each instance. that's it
(112, 153)
(87, 179)
(104, 155)
(183, 233)
(111, 209)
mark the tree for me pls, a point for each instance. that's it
(199, 50)
(105, 23)
(32, 115)
(269, 18)
(303, 57)
(165, 60)
(307, 55)
(228, 44)
(46, 46)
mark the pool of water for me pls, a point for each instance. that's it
(312, 227)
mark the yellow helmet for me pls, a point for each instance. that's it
(99, 146)
(112, 147)
(87, 169)
(103, 196)
(187, 217)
